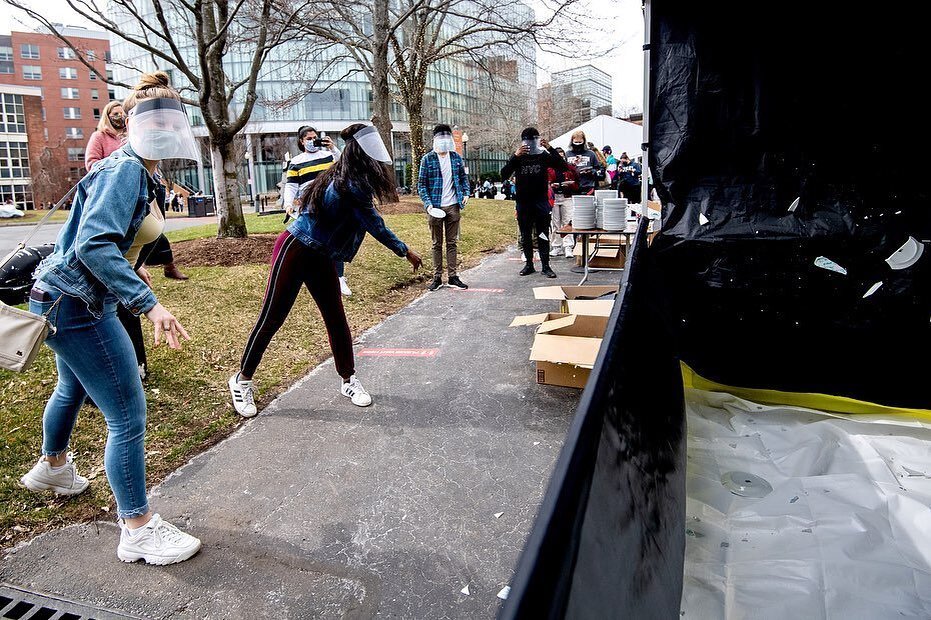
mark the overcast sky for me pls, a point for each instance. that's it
(622, 21)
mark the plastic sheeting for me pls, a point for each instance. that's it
(845, 533)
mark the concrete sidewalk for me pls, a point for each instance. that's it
(317, 508)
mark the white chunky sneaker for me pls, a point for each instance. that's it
(352, 389)
(157, 542)
(62, 480)
(344, 287)
(243, 396)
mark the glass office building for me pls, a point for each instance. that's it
(458, 92)
(579, 95)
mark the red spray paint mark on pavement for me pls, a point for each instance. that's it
(478, 290)
(398, 352)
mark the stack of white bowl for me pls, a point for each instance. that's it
(615, 214)
(583, 212)
(600, 196)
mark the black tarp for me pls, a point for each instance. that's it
(609, 538)
(755, 105)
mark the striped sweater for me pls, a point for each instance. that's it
(302, 169)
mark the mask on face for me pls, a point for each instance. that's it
(159, 129)
(309, 146)
(162, 143)
(118, 122)
(578, 146)
(443, 143)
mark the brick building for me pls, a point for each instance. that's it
(21, 132)
(72, 99)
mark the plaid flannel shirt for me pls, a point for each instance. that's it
(430, 180)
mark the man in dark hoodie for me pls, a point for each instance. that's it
(586, 163)
(529, 165)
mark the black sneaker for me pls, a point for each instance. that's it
(549, 273)
(437, 283)
(455, 281)
(527, 270)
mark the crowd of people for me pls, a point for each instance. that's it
(94, 287)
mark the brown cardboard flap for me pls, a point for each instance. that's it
(572, 292)
(535, 319)
(575, 325)
(590, 307)
(573, 350)
(607, 252)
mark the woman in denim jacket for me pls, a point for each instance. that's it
(78, 288)
(336, 211)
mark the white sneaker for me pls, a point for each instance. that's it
(243, 396)
(344, 288)
(62, 480)
(157, 542)
(354, 390)
(556, 251)
(570, 252)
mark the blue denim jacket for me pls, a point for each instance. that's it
(337, 230)
(107, 210)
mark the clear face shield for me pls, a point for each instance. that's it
(370, 141)
(443, 142)
(159, 129)
(534, 145)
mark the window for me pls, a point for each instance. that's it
(109, 75)
(66, 53)
(70, 93)
(32, 72)
(68, 73)
(43, 114)
(14, 160)
(73, 133)
(6, 52)
(12, 118)
(106, 56)
(95, 94)
(97, 114)
(93, 76)
(75, 154)
(72, 113)
(6, 59)
(75, 174)
(6, 67)
(91, 55)
(29, 51)
(45, 131)
(111, 94)
(19, 193)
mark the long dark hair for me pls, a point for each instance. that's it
(303, 131)
(353, 167)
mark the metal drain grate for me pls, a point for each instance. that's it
(19, 604)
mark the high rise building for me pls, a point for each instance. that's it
(71, 95)
(573, 97)
(21, 139)
(458, 92)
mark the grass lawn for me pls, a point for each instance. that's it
(188, 403)
(32, 217)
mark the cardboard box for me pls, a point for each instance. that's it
(565, 349)
(610, 257)
(587, 294)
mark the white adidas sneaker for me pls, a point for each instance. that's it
(243, 395)
(62, 480)
(353, 390)
(157, 542)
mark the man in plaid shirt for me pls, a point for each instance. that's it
(444, 188)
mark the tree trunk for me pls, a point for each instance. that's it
(381, 93)
(418, 149)
(226, 191)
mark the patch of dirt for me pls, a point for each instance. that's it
(408, 204)
(212, 252)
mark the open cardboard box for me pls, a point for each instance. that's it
(579, 299)
(565, 346)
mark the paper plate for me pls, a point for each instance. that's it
(437, 213)
(907, 255)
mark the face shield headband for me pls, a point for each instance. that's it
(443, 142)
(159, 129)
(370, 141)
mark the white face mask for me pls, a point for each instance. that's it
(444, 143)
(309, 146)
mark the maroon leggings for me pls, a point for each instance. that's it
(294, 264)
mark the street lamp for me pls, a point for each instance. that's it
(465, 150)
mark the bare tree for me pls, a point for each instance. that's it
(195, 37)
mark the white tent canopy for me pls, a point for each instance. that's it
(620, 135)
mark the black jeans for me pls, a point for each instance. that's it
(536, 224)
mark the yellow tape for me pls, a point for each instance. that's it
(824, 402)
